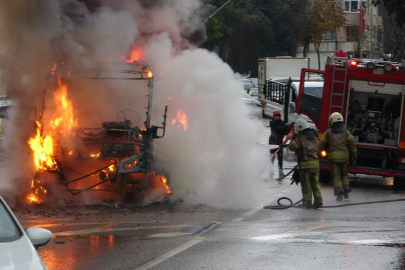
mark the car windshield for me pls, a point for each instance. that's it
(255, 81)
(253, 92)
(8, 229)
(314, 91)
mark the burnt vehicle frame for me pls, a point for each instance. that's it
(130, 152)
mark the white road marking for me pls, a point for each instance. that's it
(88, 223)
(283, 235)
(247, 214)
(168, 254)
(167, 235)
(103, 230)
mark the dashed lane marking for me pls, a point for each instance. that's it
(168, 254)
(175, 251)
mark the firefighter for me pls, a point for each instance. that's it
(305, 145)
(338, 142)
(278, 130)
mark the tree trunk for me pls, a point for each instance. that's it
(317, 47)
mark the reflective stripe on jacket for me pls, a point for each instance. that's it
(338, 145)
(306, 151)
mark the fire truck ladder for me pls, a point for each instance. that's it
(338, 64)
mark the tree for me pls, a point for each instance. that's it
(394, 37)
(248, 29)
(240, 34)
(326, 17)
(394, 6)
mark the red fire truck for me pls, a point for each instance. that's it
(370, 96)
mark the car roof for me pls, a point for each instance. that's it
(309, 84)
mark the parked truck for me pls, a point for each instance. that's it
(278, 83)
(370, 96)
(281, 67)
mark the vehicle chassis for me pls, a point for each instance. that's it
(131, 156)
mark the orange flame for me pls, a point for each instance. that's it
(64, 111)
(43, 150)
(32, 198)
(42, 144)
(111, 168)
(181, 118)
(95, 155)
(135, 54)
(53, 69)
(149, 73)
(37, 190)
(165, 186)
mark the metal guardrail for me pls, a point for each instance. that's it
(275, 91)
(5, 103)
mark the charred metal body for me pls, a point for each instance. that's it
(125, 151)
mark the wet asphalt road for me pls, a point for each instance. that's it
(172, 237)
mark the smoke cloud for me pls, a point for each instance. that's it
(214, 162)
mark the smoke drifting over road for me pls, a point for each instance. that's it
(214, 161)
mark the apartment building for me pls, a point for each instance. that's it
(361, 36)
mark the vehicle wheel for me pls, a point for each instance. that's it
(399, 184)
(324, 176)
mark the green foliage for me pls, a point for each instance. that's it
(214, 33)
(327, 17)
(394, 6)
(248, 29)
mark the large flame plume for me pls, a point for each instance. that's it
(42, 144)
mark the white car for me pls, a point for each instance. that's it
(18, 247)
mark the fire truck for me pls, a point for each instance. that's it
(370, 96)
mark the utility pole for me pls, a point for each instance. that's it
(361, 30)
(218, 10)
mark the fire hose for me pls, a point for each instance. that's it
(286, 206)
(281, 206)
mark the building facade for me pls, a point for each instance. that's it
(361, 36)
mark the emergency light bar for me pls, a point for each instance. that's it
(341, 58)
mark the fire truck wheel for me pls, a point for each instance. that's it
(399, 184)
(324, 176)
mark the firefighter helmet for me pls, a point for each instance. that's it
(276, 112)
(300, 125)
(335, 117)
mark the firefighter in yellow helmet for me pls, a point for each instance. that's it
(340, 146)
(305, 145)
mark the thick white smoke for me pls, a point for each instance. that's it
(214, 161)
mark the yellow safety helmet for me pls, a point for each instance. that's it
(335, 117)
(300, 125)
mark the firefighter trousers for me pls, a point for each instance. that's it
(340, 177)
(279, 157)
(310, 185)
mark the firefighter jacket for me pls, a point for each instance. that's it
(305, 145)
(278, 130)
(338, 142)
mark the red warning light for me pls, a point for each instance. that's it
(353, 63)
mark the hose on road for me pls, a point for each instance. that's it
(286, 206)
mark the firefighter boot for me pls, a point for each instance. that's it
(305, 205)
(346, 194)
(339, 196)
(280, 172)
(317, 205)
